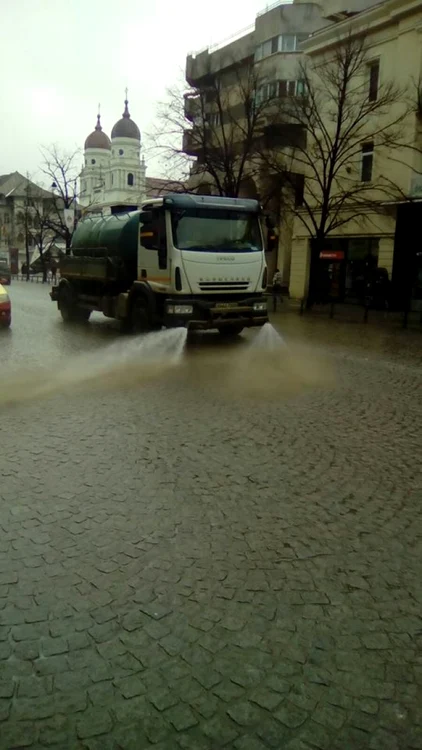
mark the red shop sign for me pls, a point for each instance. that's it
(331, 255)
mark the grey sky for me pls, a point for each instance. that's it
(59, 58)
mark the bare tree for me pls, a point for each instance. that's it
(61, 170)
(43, 234)
(25, 222)
(347, 115)
(35, 220)
(221, 122)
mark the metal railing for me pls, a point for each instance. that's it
(228, 40)
(273, 6)
(36, 278)
(239, 34)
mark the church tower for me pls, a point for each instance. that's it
(127, 171)
(94, 173)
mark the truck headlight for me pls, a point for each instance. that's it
(179, 309)
(260, 307)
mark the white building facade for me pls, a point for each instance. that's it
(114, 171)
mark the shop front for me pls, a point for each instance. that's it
(407, 268)
(345, 269)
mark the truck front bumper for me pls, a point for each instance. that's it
(200, 314)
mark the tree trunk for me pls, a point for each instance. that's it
(68, 242)
(43, 267)
(27, 255)
(317, 245)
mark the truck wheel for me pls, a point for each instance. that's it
(230, 330)
(140, 319)
(69, 310)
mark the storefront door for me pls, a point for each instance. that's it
(362, 260)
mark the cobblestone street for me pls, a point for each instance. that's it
(182, 570)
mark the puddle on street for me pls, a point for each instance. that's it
(260, 366)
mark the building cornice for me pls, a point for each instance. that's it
(381, 15)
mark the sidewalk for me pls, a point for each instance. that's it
(380, 337)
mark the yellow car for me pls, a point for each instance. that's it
(5, 308)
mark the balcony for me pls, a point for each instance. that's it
(191, 147)
(284, 135)
(192, 107)
(416, 186)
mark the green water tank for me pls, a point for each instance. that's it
(114, 235)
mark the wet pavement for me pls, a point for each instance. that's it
(187, 564)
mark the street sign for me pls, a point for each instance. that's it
(331, 255)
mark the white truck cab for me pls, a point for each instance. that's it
(206, 254)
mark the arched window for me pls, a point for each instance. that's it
(130, 179)
(92, 161)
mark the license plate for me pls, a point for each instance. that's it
(225, 306)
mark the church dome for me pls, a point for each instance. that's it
(126, 128)
(98, 139)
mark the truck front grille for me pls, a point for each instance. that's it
(226, 286)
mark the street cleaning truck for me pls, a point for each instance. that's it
(183, 260)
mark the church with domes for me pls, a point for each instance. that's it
(113, 174)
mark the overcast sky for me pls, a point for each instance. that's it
(59, 58)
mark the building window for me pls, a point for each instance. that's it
(281, 43)
(214, 119)
(92, 161)
(374, 74)
(288, 43)
(130, 179)
(121, 152)
(112, 178)
(367, 162)
(273, 89)
(287, 88)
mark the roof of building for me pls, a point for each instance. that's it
(16, 184)
(98, 139)
(126, 127)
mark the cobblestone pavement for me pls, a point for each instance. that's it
(186, 571)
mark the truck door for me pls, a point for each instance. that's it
(153, 261)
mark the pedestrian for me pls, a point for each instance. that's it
(277, 288)
(53, 269)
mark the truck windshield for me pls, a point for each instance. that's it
(208, 230)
